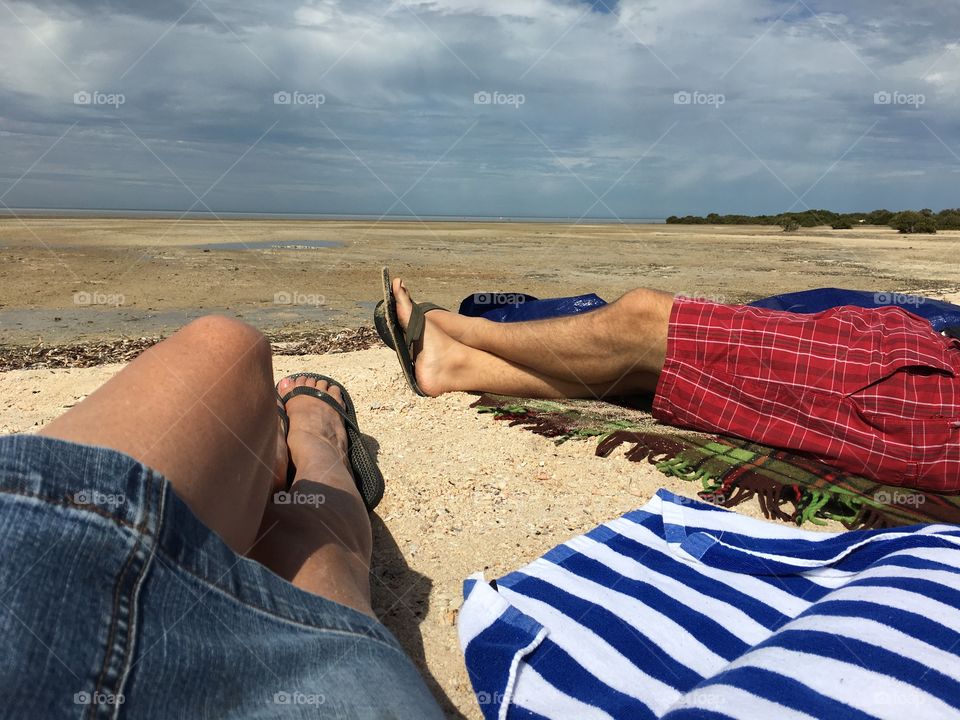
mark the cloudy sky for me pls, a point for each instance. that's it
(606, 108)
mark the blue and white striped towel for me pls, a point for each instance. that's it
(684, 610)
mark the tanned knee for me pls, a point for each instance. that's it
(232, 342)
(228, 333)
(646, 305)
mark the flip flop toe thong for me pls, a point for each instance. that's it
(394, 336)
(366, 474)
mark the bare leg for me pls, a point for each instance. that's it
(445, 365)
(619, 348)
(199, 408)
(320, 539)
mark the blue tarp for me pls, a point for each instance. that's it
(515, 307)
(941, 315)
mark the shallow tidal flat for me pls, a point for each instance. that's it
(64, 280)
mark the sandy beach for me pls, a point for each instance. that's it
(464, 493)
(62, 279)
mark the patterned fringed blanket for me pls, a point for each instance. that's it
(731, 471)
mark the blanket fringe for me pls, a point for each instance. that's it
(768, 493)
(651, 447)
(744, 481)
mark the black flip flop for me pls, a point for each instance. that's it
(366, 474)
(394, 336)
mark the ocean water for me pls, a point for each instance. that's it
(135, 214)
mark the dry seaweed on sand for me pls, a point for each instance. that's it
(321, 342)
(103, 352)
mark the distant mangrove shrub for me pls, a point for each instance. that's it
(908, 221)
(911, 222)
(788, 223)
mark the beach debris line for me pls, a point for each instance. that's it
(103, 352)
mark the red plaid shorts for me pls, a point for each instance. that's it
(873, 392)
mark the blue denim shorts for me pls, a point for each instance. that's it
(116, 601)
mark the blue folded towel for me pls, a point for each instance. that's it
(683, 611)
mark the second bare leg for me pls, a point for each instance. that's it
(601, 347)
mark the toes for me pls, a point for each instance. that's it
(287, 384)
(335, 393)
(331, 390)
(400, 290)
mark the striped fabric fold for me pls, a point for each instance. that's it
(683, 610)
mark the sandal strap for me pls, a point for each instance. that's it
(415, 328)
(325, 397)
(418, 323)
(426, 307)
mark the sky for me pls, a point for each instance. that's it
(558, 108)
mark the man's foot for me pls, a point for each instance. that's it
(455, 325)
(437, 356)
(317, 440)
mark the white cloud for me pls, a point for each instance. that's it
(399, 83)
